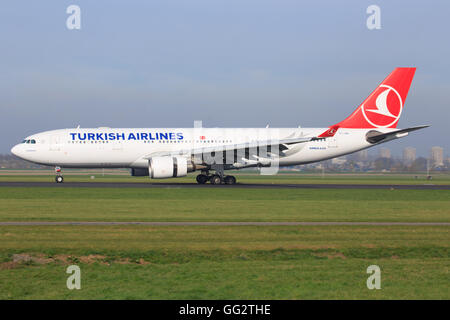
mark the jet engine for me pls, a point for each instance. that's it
(169, 167)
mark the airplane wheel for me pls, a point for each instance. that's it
(59, 179)
(202, 178)
(215, 179)
(230, 180)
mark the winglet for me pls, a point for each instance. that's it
(330, 132)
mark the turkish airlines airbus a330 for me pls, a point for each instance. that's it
(166, 153)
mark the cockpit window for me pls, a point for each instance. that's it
(32, 141)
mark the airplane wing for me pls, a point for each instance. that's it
(374, 136)
(281, 144)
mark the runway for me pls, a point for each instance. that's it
(194, 185)
(212, 223)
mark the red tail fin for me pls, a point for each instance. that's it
(382, 109)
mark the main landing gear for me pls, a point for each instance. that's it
(215, 179)
(59, 178)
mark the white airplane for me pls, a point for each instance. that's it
(166, 153)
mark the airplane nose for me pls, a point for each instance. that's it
(15, 150)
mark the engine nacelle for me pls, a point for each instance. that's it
(169, 167)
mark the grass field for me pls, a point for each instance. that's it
(224, 262)
(172, 204)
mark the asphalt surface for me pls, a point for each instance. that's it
(195, 185)
(206, 223)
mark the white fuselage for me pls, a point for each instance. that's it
(131, 148)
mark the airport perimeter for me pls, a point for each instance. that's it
(173, 242)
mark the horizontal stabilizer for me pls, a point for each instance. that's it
(374, 136)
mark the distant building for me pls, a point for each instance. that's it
(362, 155)
(437, 156)
(409, 155)
(338, 161)
(385, 153)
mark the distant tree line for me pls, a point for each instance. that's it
(8, 161)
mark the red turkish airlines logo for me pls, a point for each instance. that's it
(383, 108)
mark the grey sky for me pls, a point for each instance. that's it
(228, 63)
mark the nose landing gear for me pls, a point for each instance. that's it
(59, 178)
